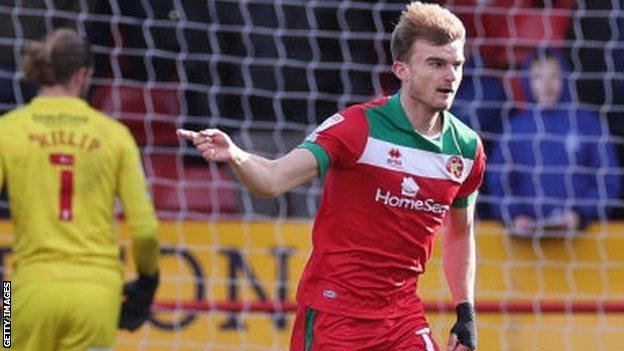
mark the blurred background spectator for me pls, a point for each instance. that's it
(551, 168)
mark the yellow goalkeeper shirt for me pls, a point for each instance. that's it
(64, 164)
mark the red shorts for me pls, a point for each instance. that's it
(316, 330)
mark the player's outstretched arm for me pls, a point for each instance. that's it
(458, 254)
(265, 178)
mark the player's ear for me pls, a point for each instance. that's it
(85, 73)
(80, 80)
(400, 69)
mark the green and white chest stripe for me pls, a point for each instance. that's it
(389, 128)
(415, 161)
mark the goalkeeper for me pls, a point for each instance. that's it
(398, 168)
(64, 164)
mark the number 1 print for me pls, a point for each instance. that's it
(67, 185)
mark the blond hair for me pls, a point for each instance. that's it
(430, 22)
(55, 59)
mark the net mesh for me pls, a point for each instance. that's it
(267, 72)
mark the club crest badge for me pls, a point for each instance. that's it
(455, 167)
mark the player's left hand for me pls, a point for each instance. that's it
(139, 296)
(214, 145)
(464, 333)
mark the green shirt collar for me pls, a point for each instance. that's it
(402, 121)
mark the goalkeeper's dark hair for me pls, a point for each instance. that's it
(55, 59)
(430, 22)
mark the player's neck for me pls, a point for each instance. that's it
(424, 120)
(58, 91)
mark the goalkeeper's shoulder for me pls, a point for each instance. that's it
(13, 118)
(15, 123)
(109, 126)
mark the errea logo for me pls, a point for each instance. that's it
(330, 294)
(394, 158)
(407, 200)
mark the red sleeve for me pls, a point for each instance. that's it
(472, 183)
(342, 136)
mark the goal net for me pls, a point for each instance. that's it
(269, 71)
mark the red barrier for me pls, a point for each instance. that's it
(431, 307)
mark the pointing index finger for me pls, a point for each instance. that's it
(186, 134)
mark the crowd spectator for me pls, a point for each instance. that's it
(553, 169)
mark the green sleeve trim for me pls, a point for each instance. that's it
(320, 154)
(464, 202)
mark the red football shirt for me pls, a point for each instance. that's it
(385, 195)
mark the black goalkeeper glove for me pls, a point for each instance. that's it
(465, 328)
(139, 296)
